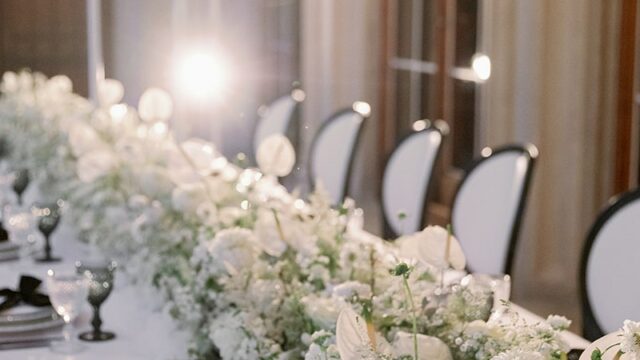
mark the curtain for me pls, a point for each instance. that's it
(554, 84)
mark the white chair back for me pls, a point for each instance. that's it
(488, 206)
(276, 120)
(406, 180)
(610, 265)
(332, 153)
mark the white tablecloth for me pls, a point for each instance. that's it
(143, 330)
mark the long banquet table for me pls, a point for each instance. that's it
(143, 328)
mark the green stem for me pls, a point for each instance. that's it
(413, 316)
(278, 225)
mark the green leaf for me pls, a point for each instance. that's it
(596, 354)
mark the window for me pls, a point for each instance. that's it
(428, 47)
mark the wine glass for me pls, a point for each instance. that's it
(100, 275)
(500, 287)
(67, 292)
(48, 216)
(20, 225)
(20, 183)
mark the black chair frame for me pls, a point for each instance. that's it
(335, 116)
(531, 152)
(443, 130)
(591, 328)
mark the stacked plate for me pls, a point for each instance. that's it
(8, 250)
(29, 323)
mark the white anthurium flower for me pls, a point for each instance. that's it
(110, 92)
(276, 156)
(83, 139)
(95, 164)
(429, 347)
(434, 246)
(155, 105)
(352, 338)
(195, 158)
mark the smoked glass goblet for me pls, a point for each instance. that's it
(100, 275)
(20, 183)
(48, 216)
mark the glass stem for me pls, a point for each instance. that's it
(97, 321)
(67, 330)
(47, 247)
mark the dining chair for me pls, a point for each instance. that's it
(609, 267)
(488, 207)
(277, 118)
(333, 149)
(407, 178)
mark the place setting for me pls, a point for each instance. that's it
(46, 313)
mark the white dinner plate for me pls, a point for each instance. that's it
(39, 325)
(25, 313)
(8, 246)
(9, 255)
(602, 344)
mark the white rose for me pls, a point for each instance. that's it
(429, 347)
(83, 139)
(235, 249)
(188, 197)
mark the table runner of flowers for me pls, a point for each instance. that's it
(252, 271)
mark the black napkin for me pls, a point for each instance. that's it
(25, 293)
(4, 235)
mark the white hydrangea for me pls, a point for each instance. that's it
(558, 322)
(630, 343)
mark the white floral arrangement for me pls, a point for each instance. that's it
(253, 271)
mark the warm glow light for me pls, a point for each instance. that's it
(419, 125)
(486, 152)
(481, 65)
(203, 75)
(298, 95)
(362, 108)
